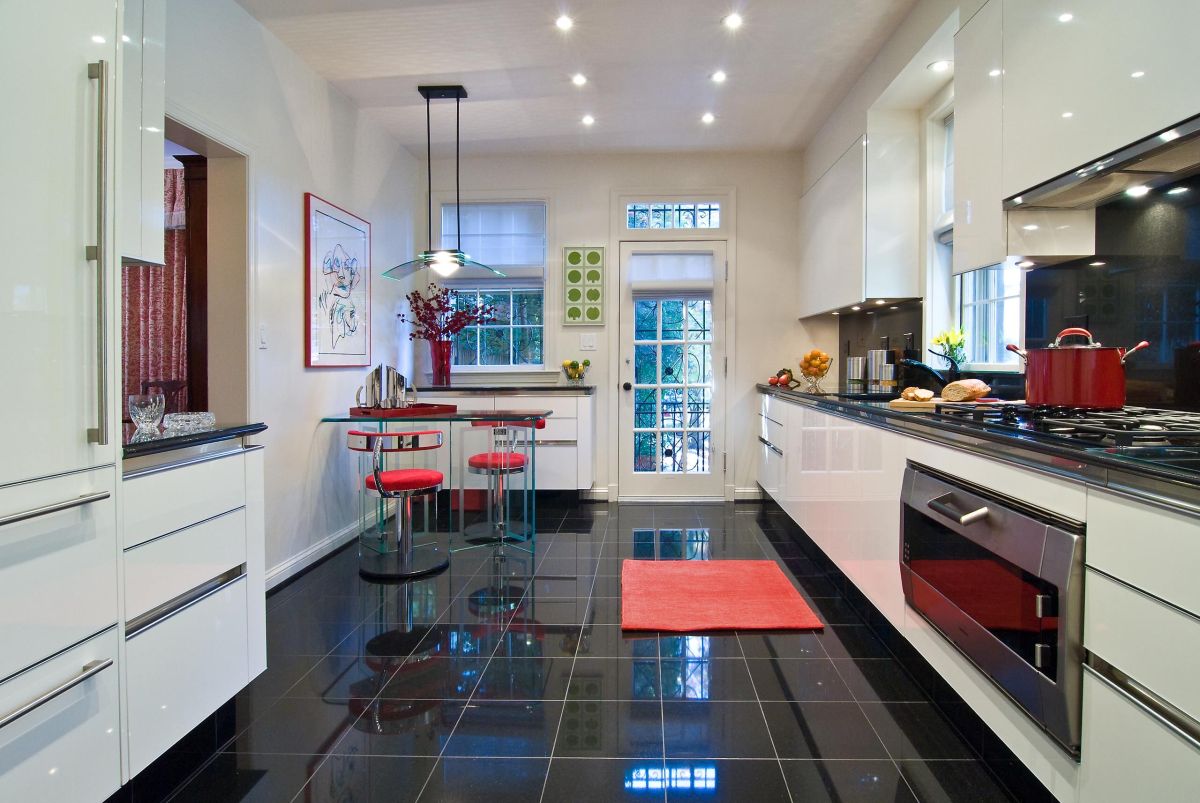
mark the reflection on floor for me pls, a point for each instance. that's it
(508, 678)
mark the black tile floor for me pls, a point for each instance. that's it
(508, 678)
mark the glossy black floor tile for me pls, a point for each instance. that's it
(822, 731)
(851, 641)
(524, 678)
(616, 678)
(798, 679)
(610, 729)
(602, 641)
(915, 731)
(726, 780)
(250, 778)
(759, 645)
(879, 680)
(715, 730)
(600, 780)
(696, 677)
(524, 728)
(952, 781)
(848, 781)
(518, 780)
(368, 777)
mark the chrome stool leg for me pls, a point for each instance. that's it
(409, 560)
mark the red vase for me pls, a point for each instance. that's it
(439, 353)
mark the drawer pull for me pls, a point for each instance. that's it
(46, 510)
(1150, 703)
(770, 445)
(89, 670)
(184, 601)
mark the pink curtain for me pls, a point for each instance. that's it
(155, 310)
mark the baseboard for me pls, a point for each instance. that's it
(595, 494)
(752, 493)
(282, 572)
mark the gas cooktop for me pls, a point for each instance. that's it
(1167, 437)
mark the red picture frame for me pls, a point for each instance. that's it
(337, 286)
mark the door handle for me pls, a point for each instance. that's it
(627, 386)
(939, 506)
(98, 72)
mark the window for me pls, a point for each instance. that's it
(514, 337)
(690, 215)
(989, 313)
(511, 237)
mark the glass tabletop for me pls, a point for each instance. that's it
(457, 415)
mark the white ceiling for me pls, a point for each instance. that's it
(648, 64)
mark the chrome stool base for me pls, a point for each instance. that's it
(403, 565)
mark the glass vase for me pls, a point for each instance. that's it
(439, 353)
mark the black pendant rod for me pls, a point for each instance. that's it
(457, 172)
(428, 173)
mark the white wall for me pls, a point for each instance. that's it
(235, 82)
(768, 334)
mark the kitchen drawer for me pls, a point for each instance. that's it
(1130, 754)
(68, 748)
(58, 565)
(182, 668)
(772, 432)
(559, 429)
(1150, 641)
(158, 571)
(1151, 548)
(563, 406)
(770, 407)
(556, 469)
(162, 501)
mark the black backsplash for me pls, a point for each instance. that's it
(862, 331)
(1147, 289)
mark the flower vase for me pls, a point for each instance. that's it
(439, 353)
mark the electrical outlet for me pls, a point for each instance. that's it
(587, 342)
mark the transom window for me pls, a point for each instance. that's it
(667, 215)
(512, 339)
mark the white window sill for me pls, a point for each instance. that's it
(490, 376)
(991, 367)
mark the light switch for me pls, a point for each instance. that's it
(262, 335)
(587, 341)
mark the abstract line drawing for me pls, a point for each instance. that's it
(337, 249)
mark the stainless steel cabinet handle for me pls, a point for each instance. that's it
(98, 72)
(90, 669)
(1147, 701)
(770, 445)
(939, 506)
(45, 510)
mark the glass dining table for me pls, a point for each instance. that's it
(480, 506)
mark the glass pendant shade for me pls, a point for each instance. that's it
(444, 263)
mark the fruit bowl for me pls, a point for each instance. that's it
(575, 371)
(813, 367)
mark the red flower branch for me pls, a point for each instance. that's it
(434, 316)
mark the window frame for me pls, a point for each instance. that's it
(1013, 366)
(509, 367)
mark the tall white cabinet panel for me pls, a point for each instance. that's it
(979, 226)
(143, 110)
(893, 203)
(55, 321)
(832, 215)
(1114, 72)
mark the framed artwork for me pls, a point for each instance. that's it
(337, 286)
(583, 286)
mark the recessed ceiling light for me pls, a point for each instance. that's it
(1137, 73)
(837, 313)
(939, 66)
(1025, 263)
(588, 119)
(893, 308)
(707, 118)
(579, 79)
(719, 77)
(1066, 17)
(98, 39)
(880, 302)
(1018, 200)
(1177, 191)
(1169, 136)
(564, 23)
(1097, 264)
(994, 73)
(1030, 227)
(870, 312)
(1138, 191)
(856, 308)
(1068, 115)
(732, 21)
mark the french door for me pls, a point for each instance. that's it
(672, 370)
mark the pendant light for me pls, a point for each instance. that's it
(442, 261)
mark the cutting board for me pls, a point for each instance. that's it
(929, 406)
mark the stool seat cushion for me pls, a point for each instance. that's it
(492, 461)
(406, 479)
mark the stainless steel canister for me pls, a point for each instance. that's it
(876, 360)
(856, 369)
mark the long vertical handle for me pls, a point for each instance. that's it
(99, 72)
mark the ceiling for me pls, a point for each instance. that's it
(648, 65)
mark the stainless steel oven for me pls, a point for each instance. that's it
(1004, 583)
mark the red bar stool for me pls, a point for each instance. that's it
(404, 559)
(508, 455)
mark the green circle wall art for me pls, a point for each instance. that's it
(583, 275)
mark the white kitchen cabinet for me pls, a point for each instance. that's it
(1076, 90)
(832, 243)
(143, 114)
(60, 355)
(979, 222)
(772, 439)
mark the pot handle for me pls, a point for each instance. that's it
(1020, 352)
(1143, 345)
(1075, 330)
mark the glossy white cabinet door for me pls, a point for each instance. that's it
(832, 220)
(143, 105)
(979, 231)
(1074, 91)
(48, 216)
(69, 747)
(893, 205)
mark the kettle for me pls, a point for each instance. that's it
(385, 387)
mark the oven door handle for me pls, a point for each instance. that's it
(939, 505)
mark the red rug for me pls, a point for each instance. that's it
(687, 595)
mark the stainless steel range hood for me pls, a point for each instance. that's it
(1163, 158)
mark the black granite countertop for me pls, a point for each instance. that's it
(570, 390)
(1135, 469)
(136, 443)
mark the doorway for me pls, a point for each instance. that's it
(671, 422)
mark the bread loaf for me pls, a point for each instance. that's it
(965, 390)
(916, 394)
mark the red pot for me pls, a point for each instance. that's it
(1083, 375)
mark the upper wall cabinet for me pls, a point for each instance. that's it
(143, 112)
(858, 221)
(979, 225)
(1083, 78)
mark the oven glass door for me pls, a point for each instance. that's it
(999, 596)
